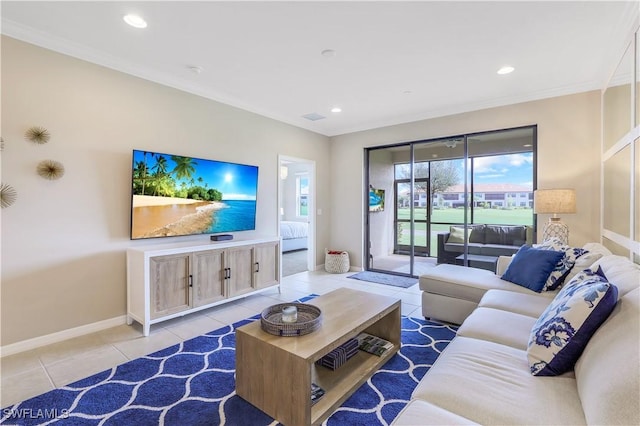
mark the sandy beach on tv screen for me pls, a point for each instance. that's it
(169, 216)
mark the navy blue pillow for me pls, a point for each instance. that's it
(531, 267)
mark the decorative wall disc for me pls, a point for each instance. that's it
(38, 135)
(50, 169)
(8, 195)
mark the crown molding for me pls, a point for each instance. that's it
(79, 51)
(64, 46)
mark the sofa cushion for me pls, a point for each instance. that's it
(563, 330)
(531, 267)
(497, 250)
(495, 325)
(446, 308)
(608, 372)
(505, 235)
(477, 234)
(559, 273)
(531, 305)
(620, 271)
(490, 383)
(597, 248)
(418, 412)
(474, 248)
(583, 262)
(456, 235)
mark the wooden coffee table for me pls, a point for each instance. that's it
(275, 373)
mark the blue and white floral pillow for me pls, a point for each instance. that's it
(563, 267)
(563, 330)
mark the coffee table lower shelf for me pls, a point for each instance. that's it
(343, 382)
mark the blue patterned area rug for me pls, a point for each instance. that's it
(193, 383)
(381, 278)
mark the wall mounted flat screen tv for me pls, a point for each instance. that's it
(174, 195)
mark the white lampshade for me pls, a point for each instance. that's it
(554, 201)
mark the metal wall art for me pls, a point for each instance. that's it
(8, 195)
(50, 169)
(38, 135)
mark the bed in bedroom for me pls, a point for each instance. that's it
(294, 235)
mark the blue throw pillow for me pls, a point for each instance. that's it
(563, 330)
(531, 267)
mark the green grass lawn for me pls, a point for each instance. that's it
(494, 216)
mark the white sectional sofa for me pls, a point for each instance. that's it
(484, 377)
(451, 292)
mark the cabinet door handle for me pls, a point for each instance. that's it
(229, 273)
(257, 266)
(190, 280)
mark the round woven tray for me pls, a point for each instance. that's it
(309, 319)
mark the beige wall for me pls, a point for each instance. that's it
(621, 131)
(568, 156)
(64, 242)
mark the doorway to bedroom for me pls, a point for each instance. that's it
(295, 214)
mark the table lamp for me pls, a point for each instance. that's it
(554, 201)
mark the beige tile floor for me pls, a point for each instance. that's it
(34, 372)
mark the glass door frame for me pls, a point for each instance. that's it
(425, 250)
(367, 243)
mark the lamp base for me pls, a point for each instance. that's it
(556, 229)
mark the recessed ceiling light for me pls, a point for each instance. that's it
(336, 109)
(135, 21)
(506, 70)
(328, 53)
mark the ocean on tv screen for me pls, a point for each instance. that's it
(176, 195)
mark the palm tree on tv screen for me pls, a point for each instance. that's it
(184, 168)
(160, 172)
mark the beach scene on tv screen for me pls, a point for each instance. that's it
(176, 195)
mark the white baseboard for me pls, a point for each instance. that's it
(36, 342)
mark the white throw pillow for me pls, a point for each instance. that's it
(563, 330)
(564, 266)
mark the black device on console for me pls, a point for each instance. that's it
(222, 237)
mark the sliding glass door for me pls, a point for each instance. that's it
(420, 189)
(407, 202)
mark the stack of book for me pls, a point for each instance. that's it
(316, 393)
(373, 344)
(339, 355)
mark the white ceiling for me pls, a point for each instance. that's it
(394, 61)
